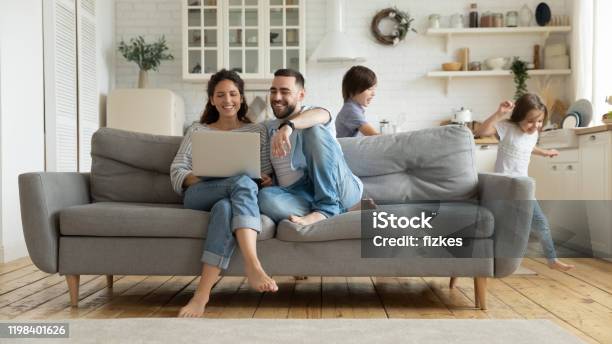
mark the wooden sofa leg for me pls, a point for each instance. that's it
(109, 281)
(73, 288)
(452, 283)
(480, 292)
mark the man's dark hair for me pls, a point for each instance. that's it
(299, 78)
(357, 80)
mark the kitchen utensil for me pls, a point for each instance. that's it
(462, 116)
(496, 63)
(584, 109)
(543, 14)
(451, 66)
(525, 16)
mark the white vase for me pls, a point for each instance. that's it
(525, 16)
(143, 79)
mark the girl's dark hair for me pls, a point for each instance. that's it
(357, 80)
(526, 103)
(211, 115)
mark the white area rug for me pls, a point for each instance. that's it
(523, 271)
(312, 331)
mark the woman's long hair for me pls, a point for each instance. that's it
(211, 115)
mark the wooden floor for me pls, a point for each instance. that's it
(580, 301)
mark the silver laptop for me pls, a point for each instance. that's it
(225, 154)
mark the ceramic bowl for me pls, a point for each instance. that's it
(451, 66)
(496, 63)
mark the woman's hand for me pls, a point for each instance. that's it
(281, 144)
(191, 180)
(266, 180)
(505, 108)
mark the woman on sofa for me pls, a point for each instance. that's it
(232, 202)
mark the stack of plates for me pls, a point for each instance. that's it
(578, 115)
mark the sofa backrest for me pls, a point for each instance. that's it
(430, 164)
(132, 167)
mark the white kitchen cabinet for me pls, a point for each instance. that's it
(485, 158)
(576, 188)
(596, 170)
(596, 189)
(551, 173)
(251, 37)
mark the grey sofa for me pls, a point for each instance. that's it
(124, 219)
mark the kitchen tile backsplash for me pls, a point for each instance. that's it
(405, 96)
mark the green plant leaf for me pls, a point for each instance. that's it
(147, 56)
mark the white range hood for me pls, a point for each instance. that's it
(336, 46)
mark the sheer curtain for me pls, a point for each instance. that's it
(602, 59)
(582, 48)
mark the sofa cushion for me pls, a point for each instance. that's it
(464, 220)
(132, 167)
(430, 164)
(114, 219)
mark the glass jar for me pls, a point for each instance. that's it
(498, 20)
(486, 20)
(475, 66)
(434, 21)
(456, 21)
(512, 19)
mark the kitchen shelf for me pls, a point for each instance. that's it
(544, 31)
(493, 73)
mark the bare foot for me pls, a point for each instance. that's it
(309, 219)
(259, 280)
(195, 307)
(559, 265)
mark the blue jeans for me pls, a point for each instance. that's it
(540, 224)
(328, 186)
(232, 203)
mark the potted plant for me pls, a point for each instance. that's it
(147, 56)
(519, 70)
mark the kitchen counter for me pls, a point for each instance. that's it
(492, 140)
(593, 130)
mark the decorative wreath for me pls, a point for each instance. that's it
(403, 23)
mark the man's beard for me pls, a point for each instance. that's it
(284, 114)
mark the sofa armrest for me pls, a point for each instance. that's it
(42, 196)
(510, 199)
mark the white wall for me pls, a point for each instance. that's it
(405, 96)
(22, 103)
(105, 26)
(21, 112)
